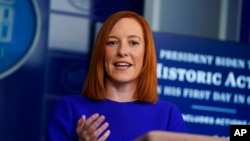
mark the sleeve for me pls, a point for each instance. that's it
(176, 122)
(60, 127)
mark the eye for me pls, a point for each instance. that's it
(134, 43)
(112, 43)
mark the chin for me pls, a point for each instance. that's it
(125, 80)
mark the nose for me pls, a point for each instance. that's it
(123, 50)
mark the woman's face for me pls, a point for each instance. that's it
(124, 51)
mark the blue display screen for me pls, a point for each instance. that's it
(209, 80)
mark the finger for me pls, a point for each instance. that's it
(96, 124)
(90, 120)
(80, 123)
(101, 129)
(104, 136)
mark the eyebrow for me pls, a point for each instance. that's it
(112, 37)
(134, 36)
(130, 36)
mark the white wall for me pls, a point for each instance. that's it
(216, 19)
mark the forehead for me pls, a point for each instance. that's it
(127, 26)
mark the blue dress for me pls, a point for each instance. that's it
(127, 120)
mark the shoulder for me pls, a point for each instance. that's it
(74, 105)
(75, 99)
(168, 108)
(166, 105)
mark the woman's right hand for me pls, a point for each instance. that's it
(93, 128)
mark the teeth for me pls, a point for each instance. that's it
(122, 64)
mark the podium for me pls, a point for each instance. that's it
(172, 136)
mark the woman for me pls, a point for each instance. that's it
(119, 100)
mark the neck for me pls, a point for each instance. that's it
(120, 92)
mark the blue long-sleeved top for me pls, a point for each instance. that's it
(127, 120)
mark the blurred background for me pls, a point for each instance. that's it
(45, 47)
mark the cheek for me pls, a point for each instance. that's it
(141, 55)
(108, 59)
(139, 58)
(109, 53)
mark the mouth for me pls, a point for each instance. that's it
(123, 64)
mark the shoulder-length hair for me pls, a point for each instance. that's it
(146, 90)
